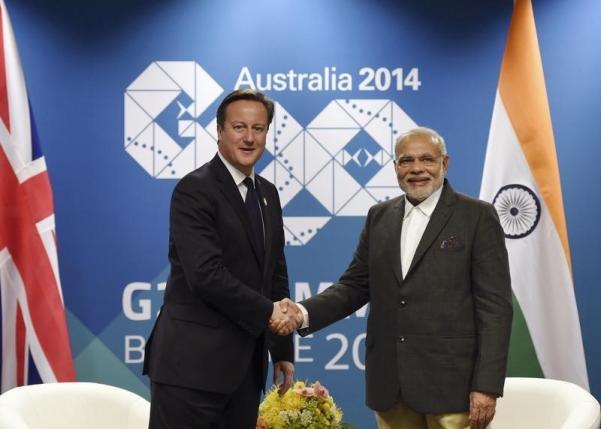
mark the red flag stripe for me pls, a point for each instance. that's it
(30, 258)
(39, 196)
(4, 108)
(20, 347)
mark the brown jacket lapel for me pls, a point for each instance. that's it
(440, 217)
(398, 211)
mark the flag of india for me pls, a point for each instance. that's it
(521, 179)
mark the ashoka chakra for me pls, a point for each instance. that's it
(519, 210)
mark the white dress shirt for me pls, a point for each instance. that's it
(415, 221)
(238, 176)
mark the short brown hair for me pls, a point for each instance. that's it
(244, 94)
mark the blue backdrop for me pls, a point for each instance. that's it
(94, 70)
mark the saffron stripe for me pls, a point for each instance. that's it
(522, 89)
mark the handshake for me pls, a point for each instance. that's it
(285, 318)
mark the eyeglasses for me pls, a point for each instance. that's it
(425, 160)
(257, 130)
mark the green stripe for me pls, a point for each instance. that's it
(522, 360)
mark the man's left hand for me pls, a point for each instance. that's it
(283, 370)
(482, 409)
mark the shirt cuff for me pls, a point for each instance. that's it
(303, 310)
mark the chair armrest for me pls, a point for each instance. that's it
(9, 419)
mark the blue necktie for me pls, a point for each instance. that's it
(254, 213)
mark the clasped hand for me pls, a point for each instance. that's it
(285, 318)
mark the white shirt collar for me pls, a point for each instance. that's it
(237, 175)
(427, 206)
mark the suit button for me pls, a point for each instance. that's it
(402, 339)
(403, 303)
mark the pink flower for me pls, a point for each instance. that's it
(320, 391)
(305, 391)
(316, 390)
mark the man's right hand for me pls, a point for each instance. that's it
(482, 409)
(286, 317)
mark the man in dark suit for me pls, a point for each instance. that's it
(207, 354)
(433, 266)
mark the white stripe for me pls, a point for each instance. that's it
(9, 317)
(11, 279)
(540, 274)
(31, 169)
(26, 352)
(18, 106)
(46, 230)
(4, 256)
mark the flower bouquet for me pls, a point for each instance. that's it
(304, 406)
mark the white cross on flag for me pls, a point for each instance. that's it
(33, 324)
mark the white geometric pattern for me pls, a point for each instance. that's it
(148, 96)
(313, 158)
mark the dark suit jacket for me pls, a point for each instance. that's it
(443, 330)
(219, 294)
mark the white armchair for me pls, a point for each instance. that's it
(539, 403)
(72, 406)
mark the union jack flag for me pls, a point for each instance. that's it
(33, 325)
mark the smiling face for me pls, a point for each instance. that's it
(420, 166)
(243, 133)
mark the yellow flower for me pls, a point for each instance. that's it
(303, 406)
(298, 385)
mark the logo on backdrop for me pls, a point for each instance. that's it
(340, 164)
(162, 107)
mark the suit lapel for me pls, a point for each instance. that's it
(398, 211)
(440, 217)
(229, 189)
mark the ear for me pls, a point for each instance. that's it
(445, 164)
(219, 131)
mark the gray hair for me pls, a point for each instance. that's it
(434, 136)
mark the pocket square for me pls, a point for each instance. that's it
(451, 243)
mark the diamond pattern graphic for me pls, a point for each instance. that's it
(361, 157)
(337, 161)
